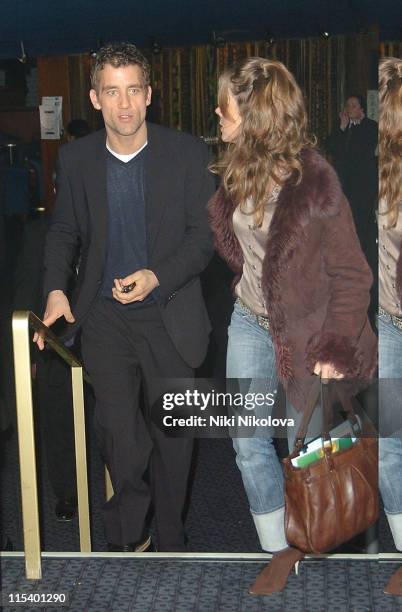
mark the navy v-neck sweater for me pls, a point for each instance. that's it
(127, 241)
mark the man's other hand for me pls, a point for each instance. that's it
(57, 306)
(144, 282)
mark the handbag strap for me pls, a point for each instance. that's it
(347, 404)
(313, 397)
(317, 392)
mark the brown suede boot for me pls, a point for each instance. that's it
(274, 576)
(394, 584)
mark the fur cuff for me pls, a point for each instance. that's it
(343, 354)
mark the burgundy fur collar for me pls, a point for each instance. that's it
(296, 204)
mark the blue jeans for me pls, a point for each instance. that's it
(251, 360)
(390, 410)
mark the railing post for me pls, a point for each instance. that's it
(77, 384)
(26, 444)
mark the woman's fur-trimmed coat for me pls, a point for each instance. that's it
(315, 278)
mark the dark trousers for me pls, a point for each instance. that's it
(123, 348)
(57, 422)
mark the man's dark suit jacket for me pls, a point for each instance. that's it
(353, 152)
(177, 189)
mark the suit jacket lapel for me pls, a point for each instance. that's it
(96, 189)
(157, 177)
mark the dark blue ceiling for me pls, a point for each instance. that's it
(50, 27)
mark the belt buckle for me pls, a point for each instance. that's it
(243, 306)
(263, 322)
(397, 321)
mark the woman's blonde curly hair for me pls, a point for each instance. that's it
(390, 136)
(273, 130)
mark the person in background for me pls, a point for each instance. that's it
(77, 128)
(390, 301)
(53, 377)
(352, 147)
(283, 225)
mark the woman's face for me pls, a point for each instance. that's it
(230, 122)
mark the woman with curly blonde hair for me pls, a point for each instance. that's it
(390, 300)
(302, 284)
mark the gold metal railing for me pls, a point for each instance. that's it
(22, 324)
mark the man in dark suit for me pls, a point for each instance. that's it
(133, 197)
(353, 146)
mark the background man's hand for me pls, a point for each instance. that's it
(57, 306)
(344, 118)
(361, 115)
(145, 282)
(327, 371)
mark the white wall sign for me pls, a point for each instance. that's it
(51, 121)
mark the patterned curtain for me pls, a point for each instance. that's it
(185, 79)
(391, 49)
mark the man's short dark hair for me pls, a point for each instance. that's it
(361, 99)
(119, 54)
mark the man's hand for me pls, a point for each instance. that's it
(144, 281)
(327, 371)
(344, 118)
(57, 306)
(361, 115)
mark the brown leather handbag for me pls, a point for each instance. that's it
(336, 497)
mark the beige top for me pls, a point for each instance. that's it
(388, 253)
(253, 242)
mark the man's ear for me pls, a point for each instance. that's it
(94, 99)
(149, 95)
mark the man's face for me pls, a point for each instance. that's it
(353, 108)
(123, 99)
